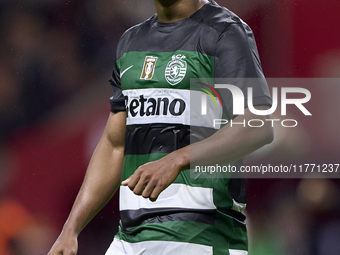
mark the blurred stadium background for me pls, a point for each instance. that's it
(55, 61)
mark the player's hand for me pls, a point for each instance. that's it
(150, 179)
(65, 245)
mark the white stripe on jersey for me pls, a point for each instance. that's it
(146, 106)
(174, 196)
(120, 247)
(238, 252)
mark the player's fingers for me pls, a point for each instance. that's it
(155, 193)
(140, 186)
(133, 180)
(148, 190)
(126, 182)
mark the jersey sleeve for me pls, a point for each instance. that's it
(117, 100)
(238, 63)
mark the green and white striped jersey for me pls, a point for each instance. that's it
(151, 81)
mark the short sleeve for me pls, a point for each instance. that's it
(117, 100)
(238, 63)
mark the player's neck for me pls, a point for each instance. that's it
(174, 10)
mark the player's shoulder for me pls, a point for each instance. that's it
(218, 17)
(133, 32)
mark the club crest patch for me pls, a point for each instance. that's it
(176, 69)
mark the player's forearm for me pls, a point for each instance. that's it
(97, 189)
(227, 145)
(102, 177)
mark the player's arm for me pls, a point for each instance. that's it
(232, 143)
(226, 146)
(101, 181)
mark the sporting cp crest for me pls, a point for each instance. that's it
(176, 69)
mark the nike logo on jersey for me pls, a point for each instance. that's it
(122, 73)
